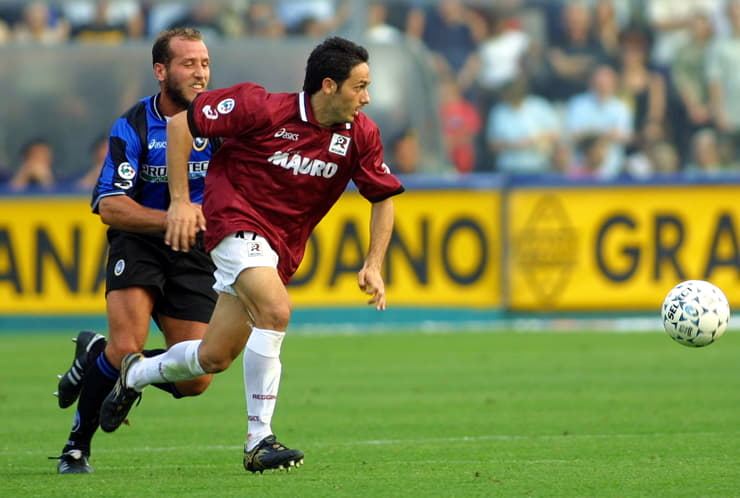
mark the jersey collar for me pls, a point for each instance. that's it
(155, 107)
(304, 107)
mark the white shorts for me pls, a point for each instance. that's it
(237, 252)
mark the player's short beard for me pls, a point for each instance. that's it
(176, 94)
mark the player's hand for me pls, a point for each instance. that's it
(371, 283)
(184, 220)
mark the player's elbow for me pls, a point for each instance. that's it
(107, 215)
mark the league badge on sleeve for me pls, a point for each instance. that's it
(126, 171)
(339, 144)
(226, 106)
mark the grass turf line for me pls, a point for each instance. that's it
(443, 414)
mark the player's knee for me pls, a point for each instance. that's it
(214, 363)
(116, 350)
(195, 386)
(276, 317)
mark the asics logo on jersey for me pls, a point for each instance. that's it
(154, 144)
(283, 133)
(303, 165)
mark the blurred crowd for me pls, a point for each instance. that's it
(601, 89)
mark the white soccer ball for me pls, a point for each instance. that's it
(695, 313)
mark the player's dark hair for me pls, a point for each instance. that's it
(334, 58)
(161, 51)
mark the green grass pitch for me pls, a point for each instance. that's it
(572, 414)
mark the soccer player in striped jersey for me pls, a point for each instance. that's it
(145, 278)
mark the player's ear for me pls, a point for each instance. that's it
(160, 71)
(329, 86)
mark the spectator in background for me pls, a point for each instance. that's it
(405, 152)
(498, 60)
(159, 15)
(642, 88)
(101, 31)
(522, 130)
(664, 158)
(316, 17)
(261, 20)
(669, 22)
(692, 110)
(600, 112)
(447, 31)
(706, 155)
(656, 157)
(562, 158)
(98, 151)
(4, 32)
(205, 16)
(461, 122)
(575, 54)
(607, 27)
(36, 169)
(105, 21)
(723, 61)
(378, 28)
(591, 155)
(40, 25)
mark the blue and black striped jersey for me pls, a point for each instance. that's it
(136, 163)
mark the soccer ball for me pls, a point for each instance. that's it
(695, 313)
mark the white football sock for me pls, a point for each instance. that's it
(180, 362)
(262, 370)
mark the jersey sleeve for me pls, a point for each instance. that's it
(373, 177)
(227, 112)
(121, 167)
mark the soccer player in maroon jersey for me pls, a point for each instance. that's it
(285, 160)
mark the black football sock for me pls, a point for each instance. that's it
(100, 378)
(168, 387)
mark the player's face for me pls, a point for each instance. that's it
(352, 96)
(188, 72)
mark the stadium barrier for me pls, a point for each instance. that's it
(470, 248)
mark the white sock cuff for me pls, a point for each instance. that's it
(192, 359)
(266, 342)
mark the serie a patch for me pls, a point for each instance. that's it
(339, 144)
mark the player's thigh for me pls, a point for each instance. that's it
(226, 334)
(187, 293)
(265, 297)
(246, 266)
(129, 312)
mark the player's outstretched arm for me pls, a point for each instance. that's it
(369, 278)
(184, 219)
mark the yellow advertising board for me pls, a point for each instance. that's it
(619, 248)
(52, 256)
(445, 252)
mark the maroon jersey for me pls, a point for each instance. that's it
(278, 171)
